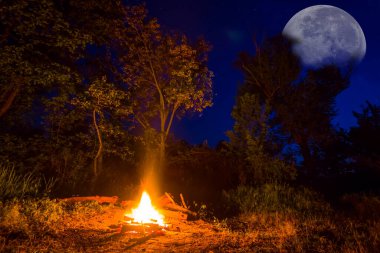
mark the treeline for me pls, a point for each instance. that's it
(89, 88)
(283, 125)
(284, 134)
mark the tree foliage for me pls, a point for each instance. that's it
(77, 76)
(37, 47)
(365, 139)
(166, 74)
(43, 46)
(101, 100)
(252, 141)
(307, 112)
(280, 105)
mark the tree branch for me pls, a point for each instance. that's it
(175, 107)
(144, 125)
(251, 74)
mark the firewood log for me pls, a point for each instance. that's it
(99, 199)
(178, 208)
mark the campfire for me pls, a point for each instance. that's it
(144, 217)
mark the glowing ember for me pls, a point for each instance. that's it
(145, 212)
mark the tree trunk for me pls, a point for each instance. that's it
(165, 129)
(161, 155)
(97, 167)
(9, 100)
(308, 161)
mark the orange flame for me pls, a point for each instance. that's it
(145, 212)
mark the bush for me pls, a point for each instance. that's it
(274, 198)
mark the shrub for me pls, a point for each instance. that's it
(274, 198)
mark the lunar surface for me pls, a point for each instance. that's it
(324, 34)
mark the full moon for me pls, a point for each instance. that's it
(324, 34)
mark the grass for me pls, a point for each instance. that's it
(279, 232)
(14, 185)
(270, 198)
(36, 217)
(288, 219)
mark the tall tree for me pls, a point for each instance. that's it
(268, 75)
(100, 101)
(256, 136)
(252, 141)
(167, 75)
(307, 110)
(295, 106)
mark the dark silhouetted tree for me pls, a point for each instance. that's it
(306, 111)
(365, 139)
(280, 105)
(255, 136)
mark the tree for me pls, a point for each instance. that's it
(166, 74)
(46, 54)
(251, 140)
(271, 71)
(285, 106)
(307, 110)
(256, 137)
(100, 100)
(365, 139)
(102, 21)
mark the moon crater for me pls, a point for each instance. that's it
(324, 34)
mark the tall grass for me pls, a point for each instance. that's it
(35, 217)
(297, 219)
(274, 198)
(14, 185)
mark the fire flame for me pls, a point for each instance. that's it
(145, 212)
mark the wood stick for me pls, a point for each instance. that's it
(174, 207)
(173, 216)
(170, 198)
(99, 199)
(183, 201)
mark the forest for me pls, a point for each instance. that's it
(89, 91)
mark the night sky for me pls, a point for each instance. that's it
(230, 27)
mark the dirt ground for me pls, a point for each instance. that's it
(98, 228)
(102, 233)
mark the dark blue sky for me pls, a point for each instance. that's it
(230, 26)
